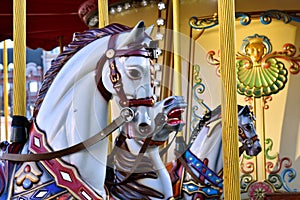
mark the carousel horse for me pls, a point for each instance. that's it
(197, 173)
(64, 155)
(149, 178)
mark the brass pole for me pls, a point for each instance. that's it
(103, 13)
(167, 73)
(19, 14)
(104, 21)
(180, 144)
(229, 100)
(5, 88)
(263, 137)
(177, 59)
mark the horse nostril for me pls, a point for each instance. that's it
(259, 149)
(144, 127)
(169, 101)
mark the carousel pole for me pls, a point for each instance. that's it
(104, 21)
(103, 13)
(19, 122)
(180, 144)
(229, 100)
(5, 88)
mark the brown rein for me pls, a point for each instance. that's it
(125, 117)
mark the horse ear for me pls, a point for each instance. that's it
(243, 109)
(137, 33)
(149, 30)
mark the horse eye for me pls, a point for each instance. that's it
(248, 127)
(134, 73)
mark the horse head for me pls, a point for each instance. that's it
(247, 131)
(127, 74)
(171, 108)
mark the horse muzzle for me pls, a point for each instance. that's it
(144, 123)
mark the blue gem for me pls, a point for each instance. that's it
(27, 184)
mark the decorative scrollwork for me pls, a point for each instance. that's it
(196, 117)
(288, 54)
(269, 147)
(246, 180)
(275, 180)
(273, 169)
(198, 89)
(266, 17)
(281, 165)
(247, 168)
(204, 22)
(247, 157)
(214, 60)
(246, 18)
(288, 175)
(265, 101)
(249, 100)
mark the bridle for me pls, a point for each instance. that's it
(246, 142)
(135, 49)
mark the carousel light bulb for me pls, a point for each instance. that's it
(161, 5)
(159, 36)
(144, 3)
(160, 22)
(112, 11)
(119, 8)
(157, 67)
(93, 21)
(127, 6)
(156, 83)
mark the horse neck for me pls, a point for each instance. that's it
(74, 110)
(73, 102)
(208, 145)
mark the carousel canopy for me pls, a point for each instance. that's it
(48, 22)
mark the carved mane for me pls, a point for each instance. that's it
(80, 40)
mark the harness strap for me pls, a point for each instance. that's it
(200, 167)
(160, 121)
(138, 160)
(67, 151)
(66, 175)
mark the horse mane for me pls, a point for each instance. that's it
(80, 40)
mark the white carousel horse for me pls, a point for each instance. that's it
(197, 174)
(149, 178)
(72, 107)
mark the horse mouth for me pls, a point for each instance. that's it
(175, 117)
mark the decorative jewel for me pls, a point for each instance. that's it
(27, 175)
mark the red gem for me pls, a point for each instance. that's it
(27, 169)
